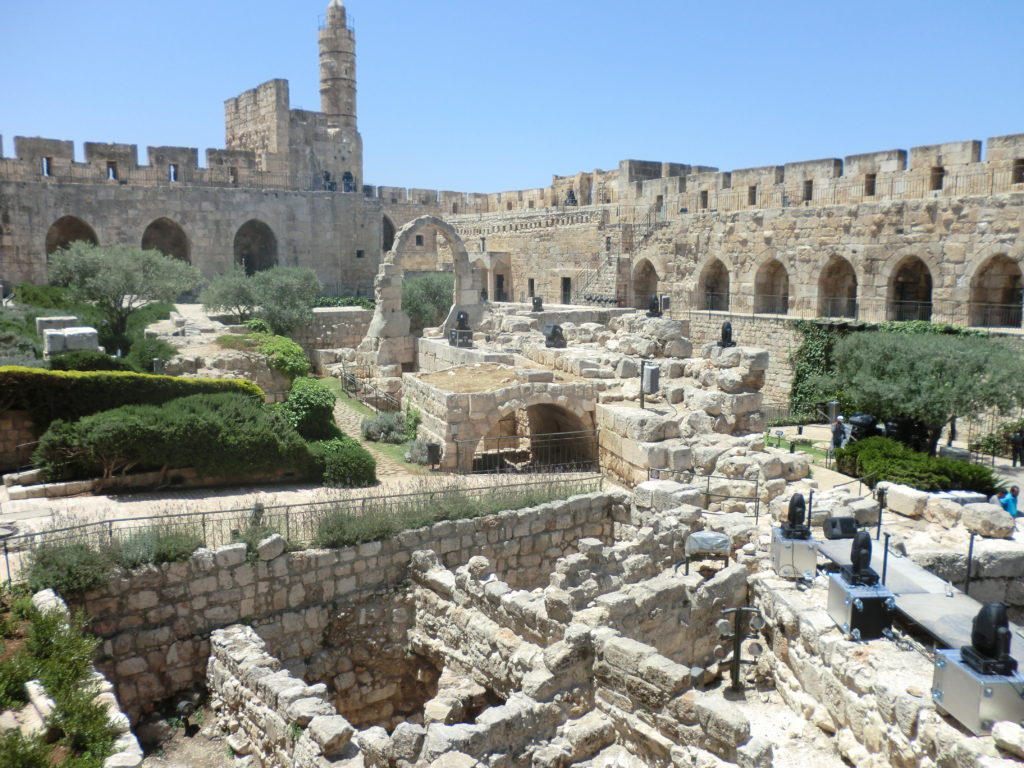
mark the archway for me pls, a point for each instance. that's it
(255, 247)
(996, 293)
(387, 228)
(837, 289)
(167, 237)
(714, 287)
(543, 437)
(67, 230)
(771, 289)
(645, 284)
(910, 291)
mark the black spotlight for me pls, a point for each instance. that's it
(538, 304)
(654, 307)
(726, 336)
(859, 571)
(989, 651)
(462, 321)
(794, 527)
(553, 336)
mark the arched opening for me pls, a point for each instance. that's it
(540, 438)
(910, 291)
(387, 229)
(167, 237)
(837, 289)
(714, 287)
(67, 230)
(255, 247)
(645, 284)
(996, 294)
(771, 289)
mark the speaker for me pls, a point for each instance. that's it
(651, 378)
(840, 527)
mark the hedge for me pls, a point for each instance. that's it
(881, 458)
(310, 409)
(343, 462)
(70, 395)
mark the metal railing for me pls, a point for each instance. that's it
(298, 523)
(531, 454)
(356, 381)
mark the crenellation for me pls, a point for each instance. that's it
(952, 153)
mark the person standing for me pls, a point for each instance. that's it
(1017, 447)
(1009, 501)
(838, 434)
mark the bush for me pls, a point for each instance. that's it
(233, 292)
(144, 351)
(70, 395)
(416, 452)
(284, 355)
(17, 751)
(68, 569)
(257, 325)
(157, 545)
(310, 409)
(881, 458)
(427, 299)
(285, 296)
(88, 360)
(997, 442)
(343, 462)
(46, 296)
(385, 427)
(363, 302)
(251, 536)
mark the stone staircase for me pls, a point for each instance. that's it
(598, 285)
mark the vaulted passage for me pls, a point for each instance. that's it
(714, 285)
(996, 294)
(388, 234)
(542, 437)
(67, 230)
(910, 291)
(167, 237)
(255, 247)
(771, 289)
(645, 284)
(837, 289)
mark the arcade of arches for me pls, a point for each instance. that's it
(167, 237)
(255, 247)
(714, 285)
(910, 291)
(67, 230)
(771, 289)
(996, 293)
(645, 284)
(837, 289)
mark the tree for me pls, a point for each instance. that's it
(427, 299)
(233, 292)
(930, 378)
(119, 279)
(286, 296)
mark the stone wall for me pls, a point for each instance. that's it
(334, 328)
(438, 355)
(155, 622)
(17, 438)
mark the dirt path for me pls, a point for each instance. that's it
(349, 421)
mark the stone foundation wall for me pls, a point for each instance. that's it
(16, 430)
(437, 355)
(155, 622)
(333, 328)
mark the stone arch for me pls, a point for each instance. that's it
(910, 290)
(713, 287)
(168, 237)
(67, 230)
(255, 246)
(771, 288)
(645, 283)
(996, 291)
(837, 289)
(387, 228)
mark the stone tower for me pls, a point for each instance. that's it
(338, 90)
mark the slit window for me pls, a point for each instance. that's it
(531, 287)
(808, 190)
(869, 184)
(419, 239)
(172, 172)
(530, 204)
(455, 207)
(752, 195)
(508, 206)
(46, 166)
(1018, 171)
(360, 254)
(111, 170)
(233, 175)
(607, 245)
(703, 199)
(938, 175)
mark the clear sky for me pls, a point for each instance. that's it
(471, 95)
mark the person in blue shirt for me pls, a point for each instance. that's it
(1009, 501)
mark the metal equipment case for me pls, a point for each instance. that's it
(862, 613)
(976, 700)
(793, 558)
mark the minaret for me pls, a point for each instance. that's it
(338, 69)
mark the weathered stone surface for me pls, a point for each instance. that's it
(906, 501)
(271, 547)
(989, 520)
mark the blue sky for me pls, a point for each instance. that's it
(481, 96)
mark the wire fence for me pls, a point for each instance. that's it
(356, 381)
(300, 524)
(532, 454)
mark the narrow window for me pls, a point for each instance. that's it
(483, 243)
(455, 207)
(508, 206)
(659, 202)
(752, 195)
(607, 245)
(172, 172)
(419, 239)
(530, 204)
(47, 163)
(869, 184)
(111, 170)
(938, 172)
(808, 190)
(233, 175)
(394, 200)
(566, 290)
(360, 254)
(703, 198)
(726, 181)
(530, 287)
(1018, 171)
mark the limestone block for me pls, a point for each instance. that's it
(230, 555)
(271, 547)
(989, 520)
(906, 501)
(942, 511)
(627, 368)
(865, 511)
(332, 732)
(722, 720)
(53, 342)
(626, 654)
(81, 337)
(1009, 737)
(678, 347)
(54, 323)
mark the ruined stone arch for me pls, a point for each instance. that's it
(771, 288)
(387, 229)
(996, 292)
(167, 236)
(255, 246)
(909, 292)
(837, 288)
(67, 230)
(646, 279)
(712, 292)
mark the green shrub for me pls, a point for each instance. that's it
(257, 325)
(385, 427)
(413, 417)
(233, 292)
(251, 536)
(997, 442)
(17, 751)
(285, 296)
(86, 726)
(46, 296)
(88, 360)
(157, 545)
(16, 345)
(427, 299)
(310, 409)
(881, 458)
(416, 452)
(68, 569)
(363, 302)
(144, 351)
(15, 671)
(69, 395)
(344, 463)
(285, 355)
